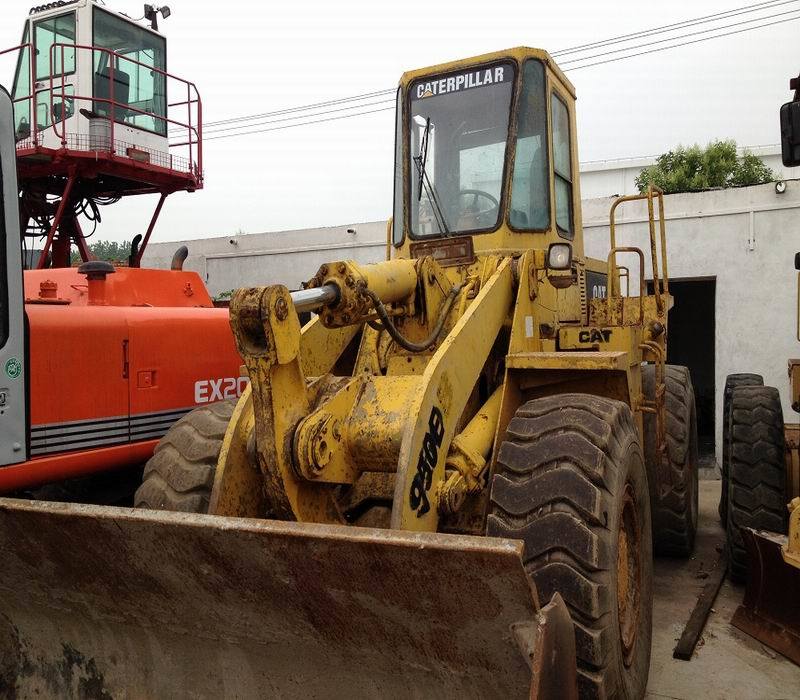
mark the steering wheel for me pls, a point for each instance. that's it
(473, 210)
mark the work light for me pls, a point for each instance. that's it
(559, 256)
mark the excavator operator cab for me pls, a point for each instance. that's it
(486, 150)
(89, 67)
(96, 118)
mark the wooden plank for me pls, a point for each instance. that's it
(697, 620)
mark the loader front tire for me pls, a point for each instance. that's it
(571, 484)
(675, 512)
(731, 382)
(756, 470)
(180, 474)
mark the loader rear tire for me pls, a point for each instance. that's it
(571, 484)
(674, 513)
(756, 470)
(180, 474)
(731, 382)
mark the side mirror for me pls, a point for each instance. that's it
(790, 127)
(790, 134)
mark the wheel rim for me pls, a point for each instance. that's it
(628, 574)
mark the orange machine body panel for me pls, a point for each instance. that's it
(113, 363)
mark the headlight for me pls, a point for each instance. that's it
(559, 256)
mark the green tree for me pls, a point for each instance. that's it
(694, 169)
(224, 296)
(112, 251)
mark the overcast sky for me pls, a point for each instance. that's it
(250, 57)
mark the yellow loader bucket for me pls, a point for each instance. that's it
(107, 602)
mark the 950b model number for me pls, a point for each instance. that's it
(426, 463)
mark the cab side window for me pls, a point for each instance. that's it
(530, 188)
(562, 167)
(55, 30)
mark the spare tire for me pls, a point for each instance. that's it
(756, 471)
(731, 382)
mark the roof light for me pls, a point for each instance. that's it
(151, 13)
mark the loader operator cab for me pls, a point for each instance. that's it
(486, 151)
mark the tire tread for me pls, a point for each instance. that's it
(180, 474)
(756, 477)
(553, 490)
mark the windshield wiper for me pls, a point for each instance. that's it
(424, 182)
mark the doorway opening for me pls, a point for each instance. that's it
(691, 343)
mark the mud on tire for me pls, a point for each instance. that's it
(756, 470)
(731, 382)
(675, 513)
(180, 474)
(571, 483)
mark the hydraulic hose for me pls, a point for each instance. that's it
(405, 343)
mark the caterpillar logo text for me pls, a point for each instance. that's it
(595, 335)
(210, 390)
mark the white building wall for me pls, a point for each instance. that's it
(746, 239)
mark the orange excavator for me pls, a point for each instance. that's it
(98, 360)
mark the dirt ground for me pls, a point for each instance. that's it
(727, 664)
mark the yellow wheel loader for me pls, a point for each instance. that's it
(448, 484)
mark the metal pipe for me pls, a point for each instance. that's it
(179, 258)
(138, 261)
(312, 299)
(57, 219)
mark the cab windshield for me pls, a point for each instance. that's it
(458, 134)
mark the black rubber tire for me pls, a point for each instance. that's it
(731, 382)
(756, 471)
(675, 513)
(563, 474)
(180, 474)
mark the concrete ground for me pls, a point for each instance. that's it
(727, 664)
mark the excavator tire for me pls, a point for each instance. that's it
(731, 382)
(675, 512)
(180, 474)
(571, 483)
(756, 470)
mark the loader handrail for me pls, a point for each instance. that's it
(626, 273)
(612, 279)
(651, 193)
